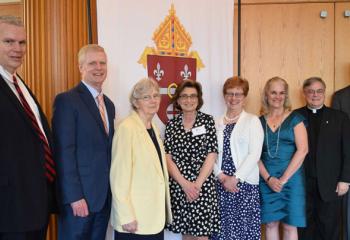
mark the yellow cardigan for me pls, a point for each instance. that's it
(140, 186)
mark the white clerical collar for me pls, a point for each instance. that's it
(314, 110)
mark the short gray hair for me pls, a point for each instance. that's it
(88, 48)
(12, 20)
(312, 80)
(140, 88)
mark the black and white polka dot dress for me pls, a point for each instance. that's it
(188, 151)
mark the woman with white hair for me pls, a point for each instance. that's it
(139, 175)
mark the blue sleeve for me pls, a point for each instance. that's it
(297, 118)
(64, 128)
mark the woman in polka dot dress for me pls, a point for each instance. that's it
(240, 138)
(191, 147)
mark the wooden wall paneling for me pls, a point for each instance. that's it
(56, 30)
(15, 9)
(342, 46)
(93, 12)
(286, 40)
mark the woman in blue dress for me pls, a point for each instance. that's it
(240, 139)
(282, 179)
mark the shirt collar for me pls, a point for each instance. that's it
(315, 110)
(92, 90)
(8, 76)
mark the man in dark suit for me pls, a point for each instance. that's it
(27, 170)
(341, 101)
(327, 165)
(83, 128)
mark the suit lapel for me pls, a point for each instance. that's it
(109, 109)
(18, 105)
(90, 103)
(148, 141)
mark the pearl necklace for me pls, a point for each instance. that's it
(267, 140)
(231, 119)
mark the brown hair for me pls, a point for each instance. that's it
(188, 84)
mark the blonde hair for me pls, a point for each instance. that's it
(265, 105)
(88, 48)
(12, 20)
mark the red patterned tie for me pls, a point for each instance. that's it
(49, 163)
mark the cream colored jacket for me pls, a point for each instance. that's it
(140, 187)
(246, 144)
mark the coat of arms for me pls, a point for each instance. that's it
(170, 62)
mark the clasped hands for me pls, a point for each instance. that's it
(192, 190)
(276, 184)
(229, 182)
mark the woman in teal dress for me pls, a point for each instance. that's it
(281, 175)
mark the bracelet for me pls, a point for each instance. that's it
(268, 179)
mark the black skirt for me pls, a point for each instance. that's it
(132, 236)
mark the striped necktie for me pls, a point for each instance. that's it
(101, 108)
(50, 172)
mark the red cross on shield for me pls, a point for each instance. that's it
(169, 72)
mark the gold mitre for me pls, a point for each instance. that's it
(171, 39)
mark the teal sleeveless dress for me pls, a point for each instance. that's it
(287, 206)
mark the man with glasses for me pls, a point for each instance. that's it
(341, 101)
(327, 165)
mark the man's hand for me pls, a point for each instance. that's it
(80, 208)
(342, 188)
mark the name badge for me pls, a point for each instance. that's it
(198, 130)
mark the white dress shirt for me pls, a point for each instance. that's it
(8, 79)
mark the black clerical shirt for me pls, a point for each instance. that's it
(314, 122)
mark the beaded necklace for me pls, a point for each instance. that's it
(267, 140)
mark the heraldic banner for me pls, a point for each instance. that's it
(169, 41)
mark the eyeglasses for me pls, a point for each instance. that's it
(191, 96)
(234, 94)
(320, 91)
(147, 98)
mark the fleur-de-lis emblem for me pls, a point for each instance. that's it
(185, 74)
(158, 73)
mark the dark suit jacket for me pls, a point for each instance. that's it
(25, 196)
(333, 151)
(83, 148)
(341, 100)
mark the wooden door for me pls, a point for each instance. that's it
(287, 40)
(342, 46)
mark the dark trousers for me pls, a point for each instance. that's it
(131, 236)
(323, 218)
(92, 227)
(32, 235)
(346, 217)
